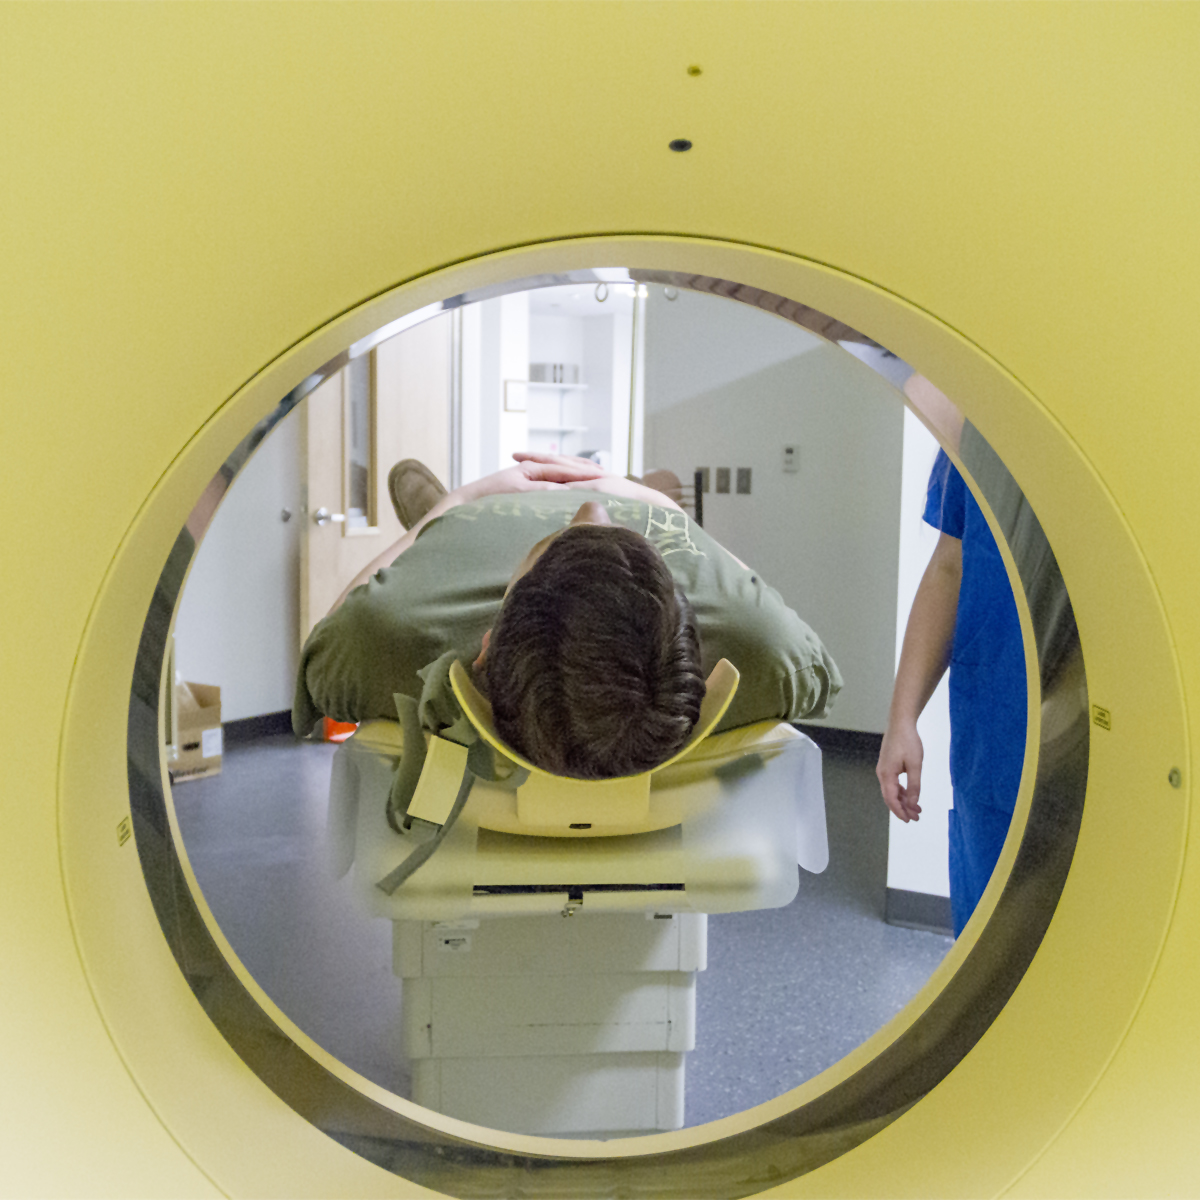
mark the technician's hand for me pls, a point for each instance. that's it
(901, 754)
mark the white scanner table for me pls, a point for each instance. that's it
(548, 983)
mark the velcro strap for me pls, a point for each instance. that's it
(437, 788)
(429, 836)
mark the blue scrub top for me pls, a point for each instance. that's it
(987, 664)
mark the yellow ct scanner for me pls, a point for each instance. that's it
(205, 204)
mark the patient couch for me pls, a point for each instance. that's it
(548, 974)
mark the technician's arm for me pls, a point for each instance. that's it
(924, 657)
(527, 476)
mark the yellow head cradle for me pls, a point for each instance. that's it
(554, 801)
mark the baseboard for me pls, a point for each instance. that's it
(250, 729)
(843, 741)
(919, 910)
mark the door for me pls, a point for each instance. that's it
(392, 403)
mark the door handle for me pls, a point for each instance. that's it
(323, 516)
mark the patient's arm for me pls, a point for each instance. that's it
(627, 489)
(608, 484)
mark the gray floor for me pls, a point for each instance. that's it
(787, 992)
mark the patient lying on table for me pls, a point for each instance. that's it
(591, 608)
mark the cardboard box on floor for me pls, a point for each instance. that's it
(198, 735)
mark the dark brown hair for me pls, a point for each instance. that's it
(593, 668)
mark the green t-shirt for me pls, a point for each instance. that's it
(399, 631)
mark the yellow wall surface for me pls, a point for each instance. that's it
(198, 202)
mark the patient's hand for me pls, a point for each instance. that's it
(533, 472)
(588, 468)
(590, 477)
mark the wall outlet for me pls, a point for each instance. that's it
(791, 459)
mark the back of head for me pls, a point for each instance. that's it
(593, 669)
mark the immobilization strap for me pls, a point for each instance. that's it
(412, 761)
(419, 806)
(435, 834)
(432, 802)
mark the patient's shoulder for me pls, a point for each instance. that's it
(786, 670)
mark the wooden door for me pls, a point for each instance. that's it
(392, 404)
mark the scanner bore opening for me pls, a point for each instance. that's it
(854, 1108)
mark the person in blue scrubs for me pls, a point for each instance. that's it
(964, 617)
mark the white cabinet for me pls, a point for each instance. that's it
(585, 405)
(556, 417)
(551, 369)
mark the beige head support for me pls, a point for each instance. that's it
(555, 801)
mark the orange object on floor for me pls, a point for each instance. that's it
(337, 731)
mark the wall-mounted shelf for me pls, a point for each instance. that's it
(515, 401)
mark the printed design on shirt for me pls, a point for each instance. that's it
(504, 506)
(624, 512)
(669, 530)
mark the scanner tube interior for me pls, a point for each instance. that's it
(902, 1063)
(777, 1061)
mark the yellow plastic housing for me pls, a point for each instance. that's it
(203, 203)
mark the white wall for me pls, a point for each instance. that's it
(238, 624)
(597, 339)
(638, 419)
(555, 339)
(620, 371)
(470, 382)
(917, 854)
(750, 341)
(514, 364)
(495, 347)
(489, 397)
(727, 385)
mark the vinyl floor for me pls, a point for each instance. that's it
(787, 992)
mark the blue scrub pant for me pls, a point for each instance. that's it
(977, 833)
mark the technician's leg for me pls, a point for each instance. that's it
(977, 833)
